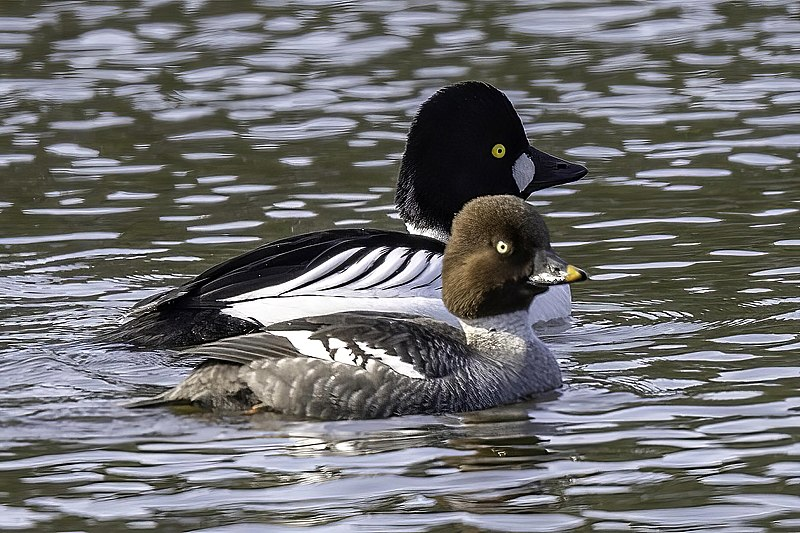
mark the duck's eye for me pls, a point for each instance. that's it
(503, 247)
(498, 151)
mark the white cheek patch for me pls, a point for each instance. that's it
(523, 171)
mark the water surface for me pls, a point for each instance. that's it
(142, 142)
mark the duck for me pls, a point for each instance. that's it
(372, 364)
(465, 141)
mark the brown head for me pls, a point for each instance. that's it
(499, 258)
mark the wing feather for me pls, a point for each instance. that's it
(415, 347)
(297, 261)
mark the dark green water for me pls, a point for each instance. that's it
(141, 142)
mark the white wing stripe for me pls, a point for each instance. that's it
(393, 260)
(340, 278)
(392, 361)
(402, 272)
(342, 354)
(419, 261)
(432, 273)
(310, 276)
(314, 348)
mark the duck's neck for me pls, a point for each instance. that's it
(435, 233)
(509, 341)
(510, 334)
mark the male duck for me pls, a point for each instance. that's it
(374, 365)
(466, 141)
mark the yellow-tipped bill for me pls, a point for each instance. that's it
(575, 274)
(552, 270)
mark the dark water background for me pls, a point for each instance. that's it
(143, 141)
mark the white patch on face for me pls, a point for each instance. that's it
(523, 171)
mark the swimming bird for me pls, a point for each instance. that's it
(374, 365)
(466, 141)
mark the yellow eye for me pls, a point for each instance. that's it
(498, 150)
(502, 247)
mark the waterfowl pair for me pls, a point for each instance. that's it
(373, 364)
(466, 141)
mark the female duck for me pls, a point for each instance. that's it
(373, 365)
(466, 141)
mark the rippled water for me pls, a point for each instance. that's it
(141, 142)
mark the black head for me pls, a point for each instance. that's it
(467, 140)
(499, 258)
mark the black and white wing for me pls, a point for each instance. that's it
(285, 279)
(333, 262)
(345, 365)
(418, 348)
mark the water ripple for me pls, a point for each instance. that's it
(185, 136)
